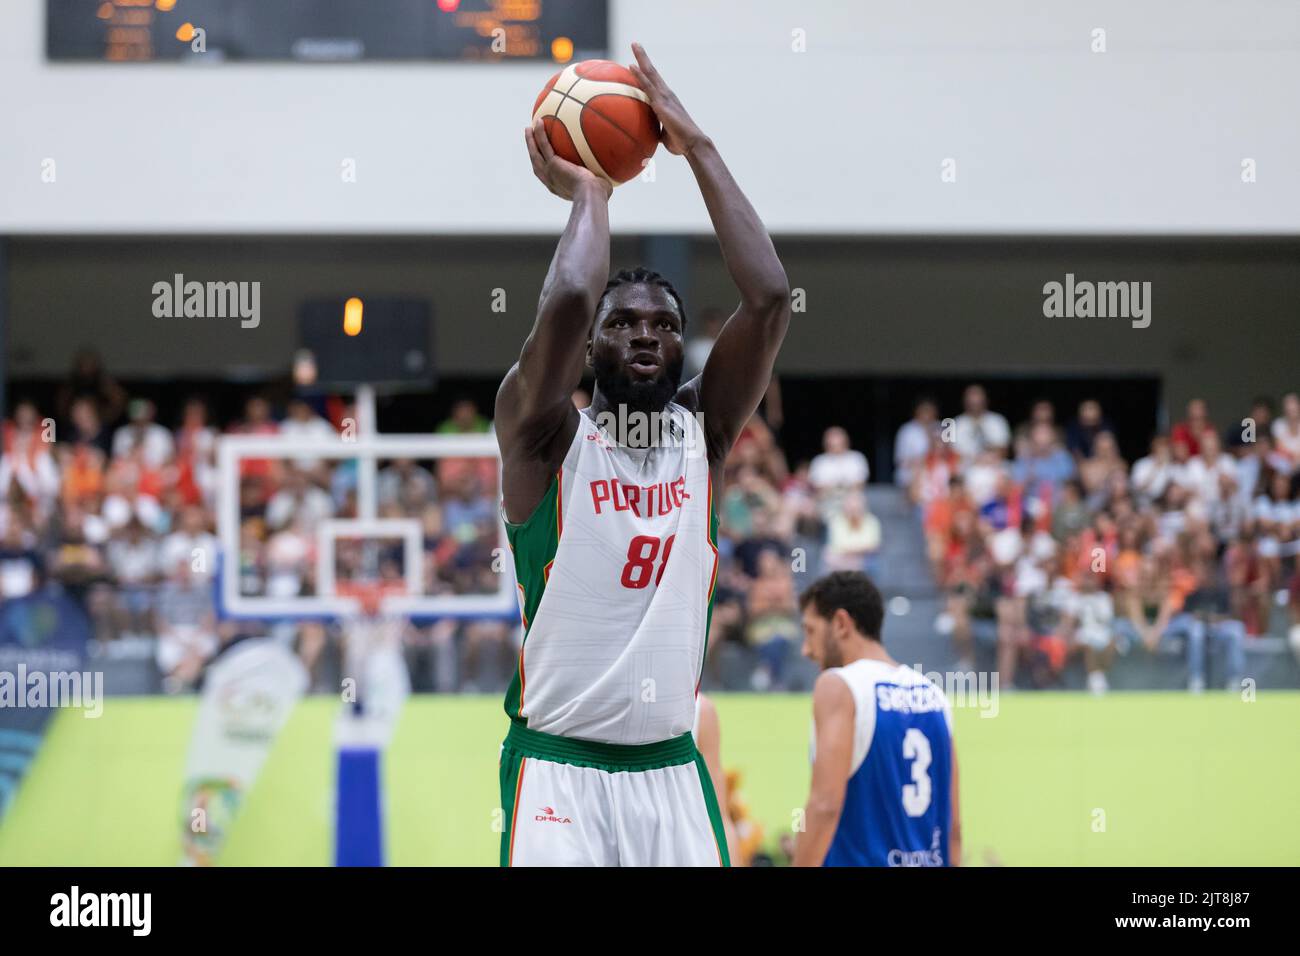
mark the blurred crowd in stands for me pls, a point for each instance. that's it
(118, 510)
(1048, 543)
(1044, 540)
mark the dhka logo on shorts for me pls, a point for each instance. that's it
(548, 816)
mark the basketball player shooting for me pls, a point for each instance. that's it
(614, 537)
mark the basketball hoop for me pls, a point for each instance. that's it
(370, 594)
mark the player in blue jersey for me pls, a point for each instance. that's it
(884, 777)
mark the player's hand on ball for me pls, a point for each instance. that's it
(558, 175)
(680, 134)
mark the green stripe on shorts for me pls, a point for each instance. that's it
(511, 765)
(715, 815)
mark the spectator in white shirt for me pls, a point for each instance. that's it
(984, 475)
(1089, 613)
(1042, 412)
(27, 460)
(186, 625)
(20, 562)
(837, 471)
(977, 429)
(1171, 516)
(133, 555)
(1286, 429)
(299, 503)
(1152, 474)
(853, 537)
(191, 543)
(1274, 514)
(303, 424)
(912, 443)
(1210, 473)
(1273, 506)
(143, 432)
(1257, 465)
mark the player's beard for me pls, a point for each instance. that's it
(618, 388)
(831, 656)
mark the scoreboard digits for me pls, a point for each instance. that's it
(331, 31)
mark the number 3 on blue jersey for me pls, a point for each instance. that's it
(916, 795)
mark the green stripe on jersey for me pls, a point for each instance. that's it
(533, 545)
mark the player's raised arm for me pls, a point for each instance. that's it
(533, 405)
(739, 366)
(833, 715)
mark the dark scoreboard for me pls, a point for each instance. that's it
(330, 31)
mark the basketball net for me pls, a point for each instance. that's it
(369, 593)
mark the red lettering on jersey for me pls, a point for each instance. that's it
(644, 501)
(599, 493)
(616, 487)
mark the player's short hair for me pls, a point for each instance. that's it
(852, 591)
(641, 276)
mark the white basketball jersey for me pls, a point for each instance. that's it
(616, 569)
(863, 677)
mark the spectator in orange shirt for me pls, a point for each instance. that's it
(1178, 622)
(83, 474)
(940, 517)
(196, 454)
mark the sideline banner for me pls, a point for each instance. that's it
(43, 639)
(248, 693)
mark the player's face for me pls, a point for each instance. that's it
(636, 347)
(819, 640)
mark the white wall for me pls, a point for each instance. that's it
(847, 137)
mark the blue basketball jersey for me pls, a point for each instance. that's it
(898, 806)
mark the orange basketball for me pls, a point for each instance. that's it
(596, 115)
